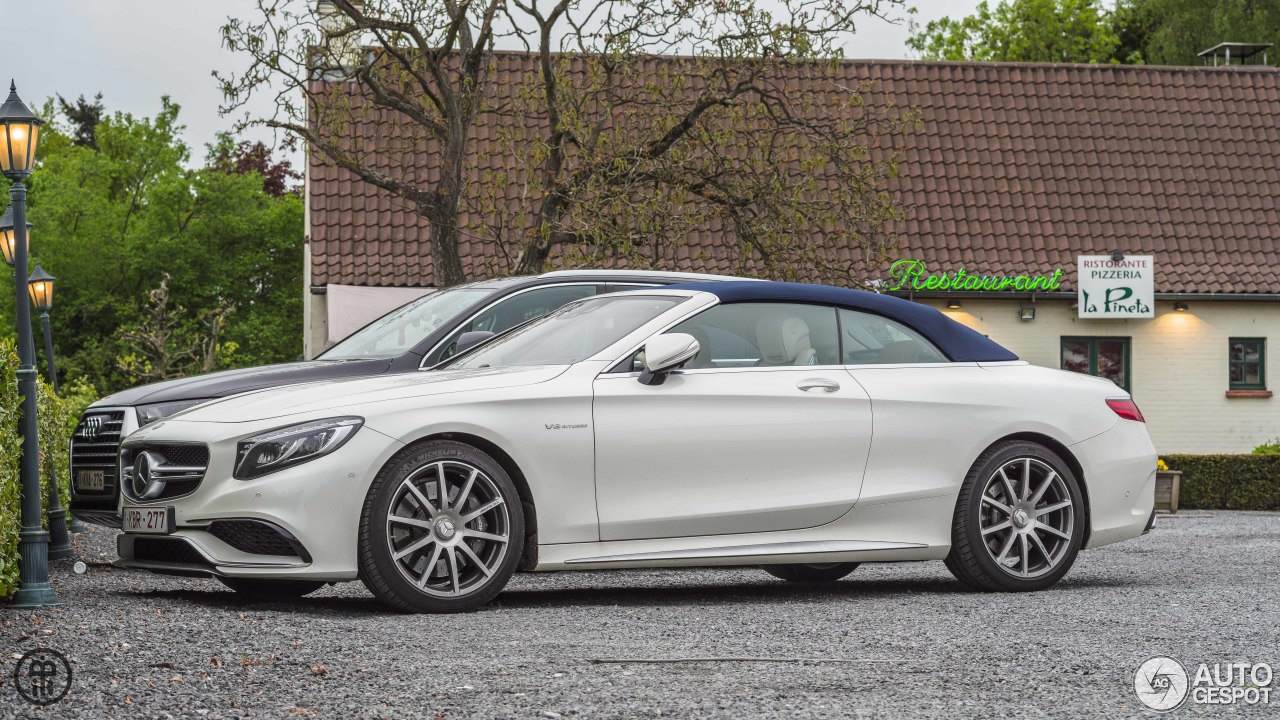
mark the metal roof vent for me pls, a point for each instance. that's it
(1224, 53)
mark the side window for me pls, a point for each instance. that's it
(1106, 357)
(873, 340)
(513, 311)
(763, 335)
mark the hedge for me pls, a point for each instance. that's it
(1228, 482)
(56, 418)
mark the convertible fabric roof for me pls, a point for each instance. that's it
(960, 343)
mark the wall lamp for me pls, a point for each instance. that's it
(953, 304)
(1026, 312)
(1180, 307)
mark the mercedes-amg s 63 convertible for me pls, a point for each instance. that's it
(800, 428)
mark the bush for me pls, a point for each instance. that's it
(1228, 482)
(1271, 447)
(56, 418)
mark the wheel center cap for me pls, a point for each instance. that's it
(445, 529)
(1021, 518)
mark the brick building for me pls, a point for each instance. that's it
(1017, 169)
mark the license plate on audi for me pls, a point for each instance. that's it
(91, 480)
(148, 520)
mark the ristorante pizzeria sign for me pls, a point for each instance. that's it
(1111, 288)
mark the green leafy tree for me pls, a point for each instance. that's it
(1172, 32)
(1066, 31)
(113, 217)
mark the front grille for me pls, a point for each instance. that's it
(179, 468)
(165, 549)
(94, 445)
(258, 537)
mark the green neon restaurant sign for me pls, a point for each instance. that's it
(912, 275)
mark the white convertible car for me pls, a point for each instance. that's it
(801, 428)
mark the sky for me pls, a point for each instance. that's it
(135, 51)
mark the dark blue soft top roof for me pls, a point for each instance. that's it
(958, 342)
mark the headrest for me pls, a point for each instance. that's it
(782, 338)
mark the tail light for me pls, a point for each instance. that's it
(1125, 408)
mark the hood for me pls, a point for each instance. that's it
(347, 396)
(234, 382)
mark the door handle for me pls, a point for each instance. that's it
(818, 384)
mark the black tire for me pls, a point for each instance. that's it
(389, 579)
(973, 557)
(811, 573)
(264, 589)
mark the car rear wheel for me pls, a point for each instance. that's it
(441, 531)
(811, 572)
(1019, 521)
(262, 589)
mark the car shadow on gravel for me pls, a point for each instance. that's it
(764, 592)
(226, 600)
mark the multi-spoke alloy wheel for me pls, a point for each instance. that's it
(1026, 517)
(442, 529)
(1016, 522)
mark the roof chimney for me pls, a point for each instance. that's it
(344, 51)
(1224, 53)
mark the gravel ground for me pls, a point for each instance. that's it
(1202, 587)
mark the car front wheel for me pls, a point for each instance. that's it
(1019, 521)
(442, 529)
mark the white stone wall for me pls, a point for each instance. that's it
(1178, 364)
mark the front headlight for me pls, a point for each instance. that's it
(148, 414)
(293, 445)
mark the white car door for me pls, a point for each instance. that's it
(764, 430)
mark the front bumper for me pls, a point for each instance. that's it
(317, 505)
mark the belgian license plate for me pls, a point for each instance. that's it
(90, 480)
(148, 520)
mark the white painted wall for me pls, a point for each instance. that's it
(1178, 364)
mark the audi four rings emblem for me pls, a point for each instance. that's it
(91, 427)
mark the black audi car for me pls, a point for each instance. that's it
(413, 337)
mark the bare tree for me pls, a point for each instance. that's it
(638, 123)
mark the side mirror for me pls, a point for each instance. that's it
(468, 340)
(664, 353)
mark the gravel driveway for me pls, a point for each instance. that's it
(889, 641)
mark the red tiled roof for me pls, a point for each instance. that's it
(1015, 168)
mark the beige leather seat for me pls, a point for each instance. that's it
(784, 340)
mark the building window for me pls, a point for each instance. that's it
(1106, 357)
(1246, 363)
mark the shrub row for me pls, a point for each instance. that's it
(56, 417)
(1228, 482)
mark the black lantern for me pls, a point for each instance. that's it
(7, 239)
(40, 285)
(19, 133)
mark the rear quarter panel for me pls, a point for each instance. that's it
(931, 422)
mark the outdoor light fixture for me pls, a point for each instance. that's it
(1117, 255)
(7, 236)
(19, 132)
(1180, 306)
(40, 285)
(1027, 312)
(953, 304)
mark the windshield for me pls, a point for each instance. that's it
(398, 331)
(571, 334)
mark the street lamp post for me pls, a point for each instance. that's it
(40, 286)
(19, 132)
